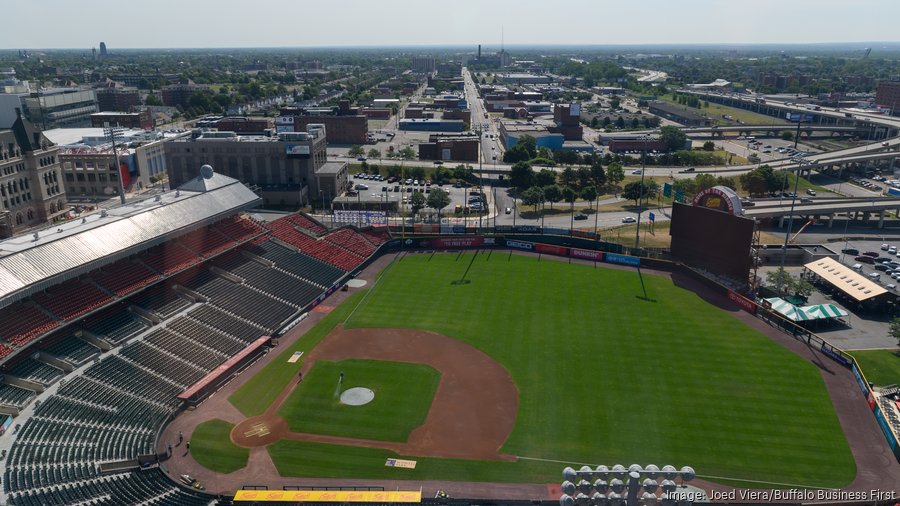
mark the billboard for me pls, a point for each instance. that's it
(360, 217)
(744, 303)
(859, 379)
(523, 245)
(615, 258)
(796, 117)
(549, 249)
(586, 254)
(835, 355)
(713, 240)
(296, 150)
(456, 242)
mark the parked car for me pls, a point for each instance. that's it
(865, 259)
(810, 191)
(508, 210)
(628, 219)
(581, 217)
(850, 251)
(871, 254)
(884, 247)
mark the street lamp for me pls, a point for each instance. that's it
(801, 162)
(637, 233)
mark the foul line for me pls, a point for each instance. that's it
(793, 485)
(374, 286)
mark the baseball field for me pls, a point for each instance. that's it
(552, 364)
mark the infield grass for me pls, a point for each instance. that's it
(212, 448)
(403, 394)
(605, 377)
(253, 397)
(881, 367)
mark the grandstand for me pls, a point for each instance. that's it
(107, 319)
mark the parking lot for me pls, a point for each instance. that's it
(369, 188)
(877, 261)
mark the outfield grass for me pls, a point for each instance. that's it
(212, 448)
(881, 367)
(605, 377)
(403, 395)
(259, 392)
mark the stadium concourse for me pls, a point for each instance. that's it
(106, 319)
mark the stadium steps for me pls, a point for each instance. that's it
(267, 294)
(223, 356)
(234, 340)
(126, 392)
(184, 361)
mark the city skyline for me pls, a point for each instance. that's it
(404, 23)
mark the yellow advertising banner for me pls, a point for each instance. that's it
(327, 496)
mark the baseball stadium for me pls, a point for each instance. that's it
(189, 350)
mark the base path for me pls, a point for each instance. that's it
(472, 413)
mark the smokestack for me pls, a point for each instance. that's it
(479, 51)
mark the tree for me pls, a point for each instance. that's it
(375, 153)
(521, 175)
(787, 135)
(672, 137)
(407, 153)
(709, 146)
(620, 122)
(632, 191)
(152, 100)
(438, 199)
(552, 193)
(614, 103)
(589, 193)
(568, 177)
(356, 151)
(569, 195)
(598, 175)
(533, 196)
(705, 181)
(544, 178)
(417, 202)
(583, 174)
(615, 174)
(895, 329)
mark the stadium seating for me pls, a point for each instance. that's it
(206, 242)
(162, 300)
(124, 277)
(283, 286)
(320, 249)
(246, 303)
(22, 322)
(351, 240)
(73, 350)
(239, 229)
(170, 258)
(306, 223)
(243, 330)
(14, 396)
(298, 264)
(114, 325)
(206, 336)
(72, 299)
(377, 236)
(185, 349)
(179, 371)
(35, 370)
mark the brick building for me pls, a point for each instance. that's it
(139, 120)
(887, 96)
(461, 148)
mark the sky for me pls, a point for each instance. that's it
(299, 23)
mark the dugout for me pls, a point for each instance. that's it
(199, 391)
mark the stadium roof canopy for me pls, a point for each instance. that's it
(845, 279)
(35, 261)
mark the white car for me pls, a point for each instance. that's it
(629, 219)
(636, 172)
(884, 247)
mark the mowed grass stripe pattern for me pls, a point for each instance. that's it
(403, 395)
(212, 448)
(254, 396)
(606, 377)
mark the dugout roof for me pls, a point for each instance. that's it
(845, 279)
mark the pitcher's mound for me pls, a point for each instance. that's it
(357, 396)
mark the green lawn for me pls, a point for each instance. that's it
(881, 367)
(605, 377)
(256, 395)
(403, 394)
(212, 448)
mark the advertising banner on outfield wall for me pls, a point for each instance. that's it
(615, 258)
(550, 249)
(859, 379)
(835, 355)
(523, 245)
(456, 242)
(871, 400)
(586, 254)
(744, 303)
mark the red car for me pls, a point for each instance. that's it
(872, 254)
(865, 259)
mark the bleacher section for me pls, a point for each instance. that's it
(113, 410)
(35, 370)
(170, 257)
(14, 396)
(124, 277)
(114, 325)
(72, 299)
(162, 300)
(23, 321)
(73, 350)
(306, 223)
(377, 236)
